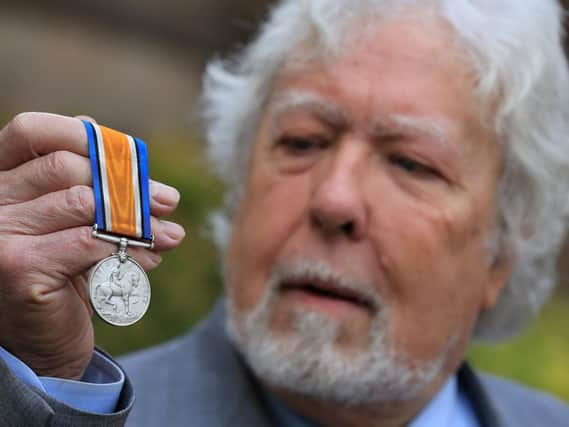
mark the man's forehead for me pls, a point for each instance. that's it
(385, 57)
(292, 100)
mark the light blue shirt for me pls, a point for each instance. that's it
(449, 408)
(99, 390)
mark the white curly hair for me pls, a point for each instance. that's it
(515, 48)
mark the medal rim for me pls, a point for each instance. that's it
(90, 282)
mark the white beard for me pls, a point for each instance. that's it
(306, 359)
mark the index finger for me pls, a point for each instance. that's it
(31, 135)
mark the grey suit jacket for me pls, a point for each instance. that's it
(199, 380)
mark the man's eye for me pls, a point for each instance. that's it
(412, 166)
(300, 145)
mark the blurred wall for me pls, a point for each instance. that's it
(130, 64)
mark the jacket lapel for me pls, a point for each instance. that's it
(478, 396)
(242, 402)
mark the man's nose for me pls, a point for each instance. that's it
(337, 202)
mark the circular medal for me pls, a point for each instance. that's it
(119, 290)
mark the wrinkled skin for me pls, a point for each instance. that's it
(46, 248)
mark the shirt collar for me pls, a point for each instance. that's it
(439, 412)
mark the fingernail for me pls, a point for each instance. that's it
(172, 230)
(164, 194)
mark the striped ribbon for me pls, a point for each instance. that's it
(119, 164)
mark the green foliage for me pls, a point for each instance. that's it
(537, 358)
(187, 283)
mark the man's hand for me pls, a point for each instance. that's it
(46, 248)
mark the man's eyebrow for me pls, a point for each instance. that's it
(410, 125)
(297, 100)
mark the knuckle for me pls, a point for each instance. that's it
(84, 239)
(55, 162)
(37, 293)
(19, 125)
(55, 166)
(79, 201)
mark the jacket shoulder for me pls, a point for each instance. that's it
(521, 406)
(195, 380)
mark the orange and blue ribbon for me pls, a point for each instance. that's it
(119, 164)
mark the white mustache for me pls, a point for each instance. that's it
(323, 274)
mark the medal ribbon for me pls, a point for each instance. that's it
(119, 164)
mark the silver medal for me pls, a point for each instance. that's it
(119, 289)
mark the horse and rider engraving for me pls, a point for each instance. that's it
(120, 284)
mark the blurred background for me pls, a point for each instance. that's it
(136, 66)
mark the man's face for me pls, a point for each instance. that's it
(368, 211)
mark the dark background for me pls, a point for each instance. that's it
(136, 66)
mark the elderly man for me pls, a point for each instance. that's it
(397, 187)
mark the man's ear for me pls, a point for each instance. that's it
(500, 272)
